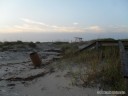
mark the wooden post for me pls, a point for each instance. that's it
(35, 59)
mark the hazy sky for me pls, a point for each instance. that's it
(47, 20)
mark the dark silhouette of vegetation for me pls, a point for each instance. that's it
(104, 39)
(19, 42)
(60, 43)
(37, 42)
(31, 44)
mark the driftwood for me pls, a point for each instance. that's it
(26, 78)
(27, 75)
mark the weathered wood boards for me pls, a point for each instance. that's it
(87, 46)
(98, 43)
(124, 59)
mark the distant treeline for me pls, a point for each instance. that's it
(56, 42)
(18, 44)
(108, 39)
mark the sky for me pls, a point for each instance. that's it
(56, 20)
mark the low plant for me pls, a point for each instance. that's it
(31, 44)
(100, 66)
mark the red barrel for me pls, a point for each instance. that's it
(35, 59)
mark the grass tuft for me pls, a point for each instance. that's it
(97, 67)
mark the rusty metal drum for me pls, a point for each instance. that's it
(35, 59)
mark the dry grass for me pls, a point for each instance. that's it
(97, 67)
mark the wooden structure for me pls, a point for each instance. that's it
(98, 43)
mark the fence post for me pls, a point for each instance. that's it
(35, 59)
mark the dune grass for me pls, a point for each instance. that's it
(100, 67)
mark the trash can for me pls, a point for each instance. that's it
(35, 59)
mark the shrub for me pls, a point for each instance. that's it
(37, 42)
(19, 42)
(31, 44)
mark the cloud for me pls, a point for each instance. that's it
(35, 26)
(117, 28)
(28, 25)
(33, 22)
(75, 23)
(94, 28)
